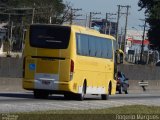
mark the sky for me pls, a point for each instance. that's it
(110, 6)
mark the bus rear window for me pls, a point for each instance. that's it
(49, 36)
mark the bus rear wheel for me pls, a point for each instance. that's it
(81, 95)
(40, 94)
(69, 96)
(106, 96)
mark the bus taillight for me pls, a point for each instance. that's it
(71, 69)
(72, 66)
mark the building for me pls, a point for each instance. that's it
(103, 27)
(134, 41)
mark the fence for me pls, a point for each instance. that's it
(141, 72)
(148, 57)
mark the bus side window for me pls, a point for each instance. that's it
(82, 44)
(92, 46)
(109, 49)
(98, 47)
(78, 44)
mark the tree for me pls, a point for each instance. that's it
(21, 13)
(152, 10)
(45, 11)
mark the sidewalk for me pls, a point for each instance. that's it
(11, 85)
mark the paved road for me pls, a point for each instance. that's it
(24, 102)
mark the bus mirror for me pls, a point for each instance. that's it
(119, 58)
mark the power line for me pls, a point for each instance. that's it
(73, 11)
(126, 22)
(91, 17)
(107, 17)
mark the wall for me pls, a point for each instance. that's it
(141, 72)
(11, 75)
(137, 73)
(10, 67)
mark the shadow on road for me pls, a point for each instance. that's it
(17, 95)
(136, 96)
(29, 96)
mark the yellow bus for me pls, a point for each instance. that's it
(70, 60)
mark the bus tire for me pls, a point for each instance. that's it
(106, 96)
(39, 94)
(68, 96)
(80, 96)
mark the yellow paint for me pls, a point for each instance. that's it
(98, 72)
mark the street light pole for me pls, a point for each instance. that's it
(143, 38)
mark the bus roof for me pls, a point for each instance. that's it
(87, 30)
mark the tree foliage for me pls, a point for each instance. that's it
(20, 13)
(44, 10)
(152, 10)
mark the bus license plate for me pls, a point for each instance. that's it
(46, 82)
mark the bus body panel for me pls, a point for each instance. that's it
(45, 72)
(97, 73)
(50, 69)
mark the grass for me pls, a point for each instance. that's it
(121, 113)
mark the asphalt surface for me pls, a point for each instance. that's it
(24, 102)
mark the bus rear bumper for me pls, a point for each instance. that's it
(28, 84)
(48, 86)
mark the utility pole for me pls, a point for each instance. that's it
(120, 46)
(109, 28)
(90, 17)
(105, 31)
(143, 38)
(110, 25)
(118, 17)
(73, 14)
(108, 17)
(126, 23)
(86, 20)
